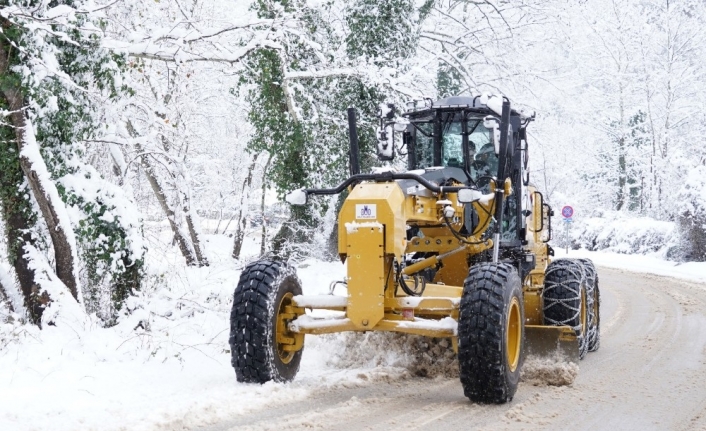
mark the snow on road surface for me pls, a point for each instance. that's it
(166, 366)
(649, 374)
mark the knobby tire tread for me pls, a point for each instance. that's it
(252, 350)
(484, 374)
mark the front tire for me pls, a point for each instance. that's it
(260, 341)
(491, 333)
(565, 299)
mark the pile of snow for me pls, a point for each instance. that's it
(617, 232)
(419, 356)
(549, 370)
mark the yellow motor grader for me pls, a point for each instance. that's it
(454, 247)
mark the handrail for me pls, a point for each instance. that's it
(387, 176)
(549, 217)
(541, 215)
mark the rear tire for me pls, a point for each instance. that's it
(264, 289)
(491, 333)
(565, 299)
(593, 297)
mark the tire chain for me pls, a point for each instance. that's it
(592, 295)
(562, 298)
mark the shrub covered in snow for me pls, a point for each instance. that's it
(623, 233)
(691, 220)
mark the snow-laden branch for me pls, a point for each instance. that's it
(56, 15)
(184, 41)
(325, 73)
(383, 76)
(194, 35)
(48, 62)
(151, 51)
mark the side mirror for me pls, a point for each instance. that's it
(386, 132)
(297, 197)
(386, 142)
(467, 196)
(493, 124)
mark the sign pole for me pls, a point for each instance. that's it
(567, 212)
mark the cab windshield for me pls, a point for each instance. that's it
(480, 159)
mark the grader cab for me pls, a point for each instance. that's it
(454, 247)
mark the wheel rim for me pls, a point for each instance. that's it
(513, 334)
(283, 336)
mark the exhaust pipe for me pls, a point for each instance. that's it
(353, 139)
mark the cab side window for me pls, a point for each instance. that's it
(424, 147)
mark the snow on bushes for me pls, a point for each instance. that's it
(622, 233)
(692, 215)
(682, 240)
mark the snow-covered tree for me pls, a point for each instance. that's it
(74, 239)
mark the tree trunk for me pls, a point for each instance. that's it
(17, 230)
(194, 233)
(16, 213)
(622, 168)
(185, 195)
(262, 206)
(179, 236)
(296, 230)
(4, 298)
(192, 224)
(187, 241)
(51, 206)
(242, 220)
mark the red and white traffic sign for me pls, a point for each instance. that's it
(567, 212)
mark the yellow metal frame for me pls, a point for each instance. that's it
(372, 240)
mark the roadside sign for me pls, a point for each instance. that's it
(567, 212)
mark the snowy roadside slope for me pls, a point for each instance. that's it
(167, 364)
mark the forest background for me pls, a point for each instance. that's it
(120, 119)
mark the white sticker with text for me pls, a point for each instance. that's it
(366, 211)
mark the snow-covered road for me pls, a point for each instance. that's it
(649, 374)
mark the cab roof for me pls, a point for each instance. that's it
(468, 103)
